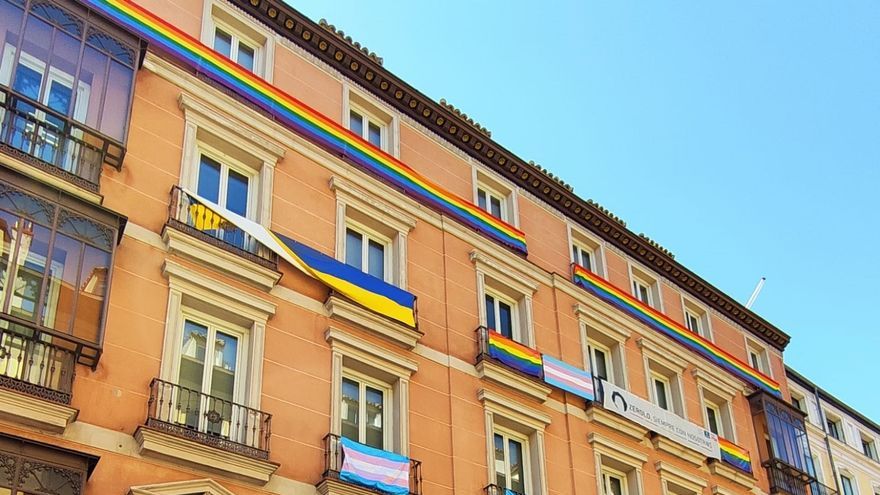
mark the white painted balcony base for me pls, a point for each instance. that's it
(35, 412)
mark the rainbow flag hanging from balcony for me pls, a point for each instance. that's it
(374, 468)
(306, 121)
(567, 377)
(735, 455)
(602, 289)
(514, 354)
(368, 291)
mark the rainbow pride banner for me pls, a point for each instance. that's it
(735, 455)
(569, 378)
(514, 354)
(304, 120)
(602, 289)
(368, 291)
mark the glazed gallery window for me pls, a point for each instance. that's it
(54, 265)
(210, 366)
(34, 469)
(368, 251)
(511, 461)
(62, 66)
(363, 414)
(501, 316)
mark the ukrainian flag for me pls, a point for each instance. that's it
(370, 292)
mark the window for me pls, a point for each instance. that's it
(603, 345)
(601, 362)
(799, 402)
(664, 378)
(834, 426)
(758, 358)
(645, 288)
(368, 119)
(236, 37)
(501, 316)
(869, 448)
(718, 415)
(847, 485)
(31, 468)
(661, 389)
(696, 318)
(364, 402)
(511, 461)
(228, 185)
(495, 197)
(367, 251)
(55, 265)
(613, 482)
(87, 76)
(586, 252)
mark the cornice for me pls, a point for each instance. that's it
(350, 60)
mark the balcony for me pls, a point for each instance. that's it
(497, 490)
(195, 231)
(36, 376)
(55, 143)
(340, 477)
(208, 431)
(510, 363)
(788, 480)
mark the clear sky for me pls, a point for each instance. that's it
(744, 136)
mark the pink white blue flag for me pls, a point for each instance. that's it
(568, 378)
(373, 468)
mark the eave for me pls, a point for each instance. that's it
(368, 72)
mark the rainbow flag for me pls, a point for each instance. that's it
(618, 298)
(368, 291)
(374, 468)
(735, 455)
(514, 354)
(304, 120)
(567, 377)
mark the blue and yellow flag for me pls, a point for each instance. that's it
(370, 292)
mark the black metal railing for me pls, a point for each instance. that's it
(32, 362)
(209, 420)
(497, 490)
(788, 480)
(54, 141)
(334, 457)
(188, 214)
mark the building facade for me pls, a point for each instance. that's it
(240, 256)
(843, 442)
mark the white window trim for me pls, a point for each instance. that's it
(670, 474)
(597, 330)
(703, 315)
(491, 182)
(495, 277)
(841, 426)
(576, 237)
(228, 163)
(353, 200)
(352, 353)
(264, 53)
(187, 286)
(368, 234)
(514, 416)
(353, 98)
(652, 282)
(667, 387)
(365, 380)
(610, 453)
(654, 357)
(845, 472)
(515, 323)
(607, 473)
(719, 419)
(763, 355)
(508, 434)
(721, 395)
(204, 117)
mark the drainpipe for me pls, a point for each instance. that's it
(824, 421)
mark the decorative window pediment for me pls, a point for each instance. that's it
(191, 487)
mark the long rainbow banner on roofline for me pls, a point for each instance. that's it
(602, 289)
(735, 455)
(304, 120)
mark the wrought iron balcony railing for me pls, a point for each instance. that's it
(497, 490)
(33, 363)
(189, 215)
(209, 420)
(55, 142)
(334, 457)
(788, 480)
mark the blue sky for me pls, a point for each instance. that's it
(743, 136)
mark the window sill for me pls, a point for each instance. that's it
(397, 333)
(152, 442)
(47, 174)
(36, 412)
(597, 414)
(177, 241)
(490, 370)
(677, 450)
(333, 486)
(718, 468)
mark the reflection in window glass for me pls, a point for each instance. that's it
(223, 42)
(246, 56)
(374, 435)
(350, 409)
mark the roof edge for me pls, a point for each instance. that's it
(826, 396)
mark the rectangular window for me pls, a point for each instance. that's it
(869, 448)
(798, 403)
(642, 292)
(511, 461)
(758, 358)
(662, 391)
(224, 183)
(235, 47)
(364, 403)
(367, 252)
(583, 256)
(835, 429)
(847, 485)
(601, 362)
(693, 322)
(370, 129)
(492, 203)
(613, 483)
(501, 316)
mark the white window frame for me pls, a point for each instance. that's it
(600, 333)
(607, 473)
(367, 235)
(669, 368)
(363, 381)
(241, 26)
(853, 482)
(586, 243)
(650, 282)
(801, 400)
(508, 434)
(617, 458)
(492, 184)
(719, 419)
(700, 314)
(762, 355)
(594, 346)
(516, 332)
(496, 278)
(872, 445)
(361, 102)
(227, 163)
(667, 387)
(368, 118)
(837, 420)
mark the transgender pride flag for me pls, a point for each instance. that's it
(374, 468)
(567, 377)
